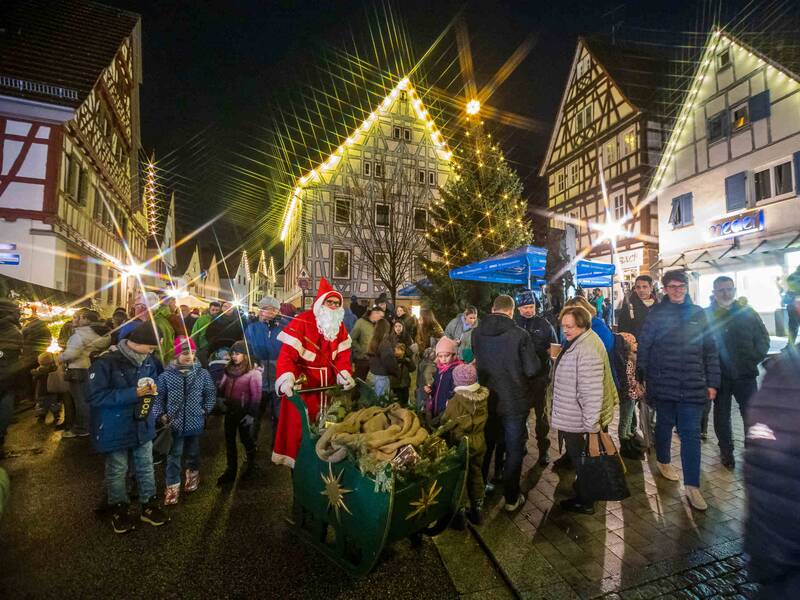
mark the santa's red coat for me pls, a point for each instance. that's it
(305, 351)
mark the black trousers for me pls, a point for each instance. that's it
(233, 424)
(575, 444)
(542, 430)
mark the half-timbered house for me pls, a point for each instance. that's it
(71, 216)
(729, 182)
(607, 119)
(397, 148)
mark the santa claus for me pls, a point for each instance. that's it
(315, 344)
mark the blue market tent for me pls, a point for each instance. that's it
(526, 266)
(414, 289)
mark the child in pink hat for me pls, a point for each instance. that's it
(441, 390)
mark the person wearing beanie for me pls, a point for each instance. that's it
(441, 390)
(186, 396)
(678, 361)
(506, 363)
(148, 309)
(542, 335)
(122, 390)
(241, 391)
(356, 306)
(465, 416)
(262, 340)
(10, 363)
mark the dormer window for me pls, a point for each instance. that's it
(724, 59)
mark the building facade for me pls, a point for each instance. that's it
(69, 137)
(607, 120)
(397, 150)
(729, 183)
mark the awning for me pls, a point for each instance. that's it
(526, 266)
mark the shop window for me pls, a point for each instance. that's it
(681, 213)
(740, 117)
(716, 128)
(367, 168)
(341, 211)
(420, 219)
(341, 264)
(724, 59)
(381, 214)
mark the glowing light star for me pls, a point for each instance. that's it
(335, 492)
(613, 230)
(426, 500)
(53, 347)
(134, 270)
(473, 107)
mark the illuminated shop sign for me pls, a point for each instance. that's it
(747, 222)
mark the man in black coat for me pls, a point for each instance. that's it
(542, 335)
(225, 329)
(10, 363)
(506, 363)
(743, 342)
(772, 479)
(637, 304)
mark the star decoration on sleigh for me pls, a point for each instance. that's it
(426, 500)
(335, 492)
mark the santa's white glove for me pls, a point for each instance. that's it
(345, 380)
(285, 385)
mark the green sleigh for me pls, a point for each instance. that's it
(350, 519)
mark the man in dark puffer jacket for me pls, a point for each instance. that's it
(743, 342)
(772, 479)
(679, 362)
(506, 364)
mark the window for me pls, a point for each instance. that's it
(724, 59)
(584, 118)
(83, 187)
(561, 181)
(367, 168)
(618, 205)
(681, 213)
(381, 214)
(341, 211)
(381, 264)
(98, 204)
(583, 67)
(573, 173)
(378, 169)
(716, 128)
(783, 179)
(432, 178)
(739, 117)
(407, 134)
(396, 133)
(762, 185)
(341, 264)
(420, 219)
(629, 142)
(420, 176)
(611, 151)
(403, 96)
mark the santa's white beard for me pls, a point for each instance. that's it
(328, 321)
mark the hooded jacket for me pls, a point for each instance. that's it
(83, 342)
(113, 379)
(466, 415)
(677, 354)
(186, 397)
(506, 363)
(632, 314)
(741, 337)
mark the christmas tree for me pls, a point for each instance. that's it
(480, 213)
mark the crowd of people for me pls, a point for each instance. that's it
(157, 374)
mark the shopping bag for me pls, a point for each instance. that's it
(601, 472)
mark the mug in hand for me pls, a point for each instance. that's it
(554, 350)
(145, 402)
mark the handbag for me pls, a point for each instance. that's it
(56, 384)
(601, 472)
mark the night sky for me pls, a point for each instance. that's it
(210, 69)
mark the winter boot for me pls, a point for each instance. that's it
(121, 520)
(229, 476)
(192, 481)
(475, 514)
(171, 494)
(153, 514)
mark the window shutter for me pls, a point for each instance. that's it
(796, 161)
(736, 192)
(759, 106)
(686, 209)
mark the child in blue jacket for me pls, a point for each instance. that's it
(186, 395)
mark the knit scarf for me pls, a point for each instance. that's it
(136, 358)
(443, 368)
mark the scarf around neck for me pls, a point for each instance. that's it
(134, 357)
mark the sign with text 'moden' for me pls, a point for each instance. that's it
(750, 221)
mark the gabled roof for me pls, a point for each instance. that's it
(789, 53)
(63, 44)
(183, 256)
(357, 136)
(636, 72)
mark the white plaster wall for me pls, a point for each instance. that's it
(38, 260)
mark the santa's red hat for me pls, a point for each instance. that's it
(324, 292)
